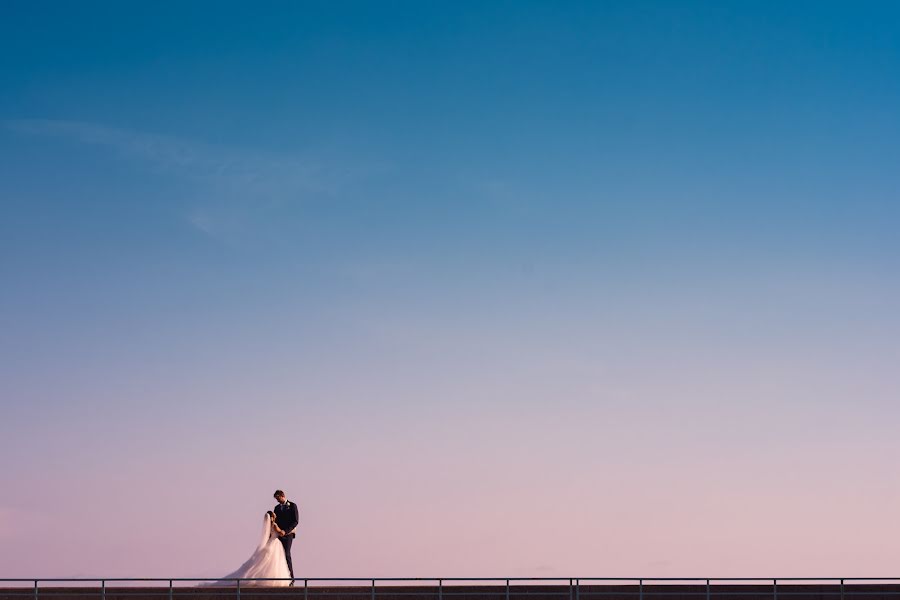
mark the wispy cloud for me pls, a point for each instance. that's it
(228, 179)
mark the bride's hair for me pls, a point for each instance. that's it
(270, 513)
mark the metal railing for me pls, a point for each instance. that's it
(574, 588)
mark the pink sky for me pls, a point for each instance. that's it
(623, 487)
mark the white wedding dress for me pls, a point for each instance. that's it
(267, 561)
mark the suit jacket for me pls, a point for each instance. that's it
(287, 516)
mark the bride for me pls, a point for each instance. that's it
(267, 561)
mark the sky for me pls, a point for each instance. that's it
(541, 289)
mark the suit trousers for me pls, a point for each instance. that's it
(286, 541)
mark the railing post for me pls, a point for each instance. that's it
(35, 589)
(640, 589)
(237, 589)
(707, 589)
(170, 590)
(842, 590)
(440, 589)
(103, 589)
(305, 588)
(507, 589)
(373, 589)
(775, 589)
(577, 589)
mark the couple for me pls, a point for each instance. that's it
(272, 558)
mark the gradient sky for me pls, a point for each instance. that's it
(490, 288)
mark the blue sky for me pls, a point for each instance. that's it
(462, 227)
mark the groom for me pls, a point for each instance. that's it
(287, 517)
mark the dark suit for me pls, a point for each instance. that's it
(287, 517)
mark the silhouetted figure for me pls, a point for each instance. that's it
(287, 517)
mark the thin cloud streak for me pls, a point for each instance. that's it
(231, 180)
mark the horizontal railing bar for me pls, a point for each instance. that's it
(768, 579)
(435, 579)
